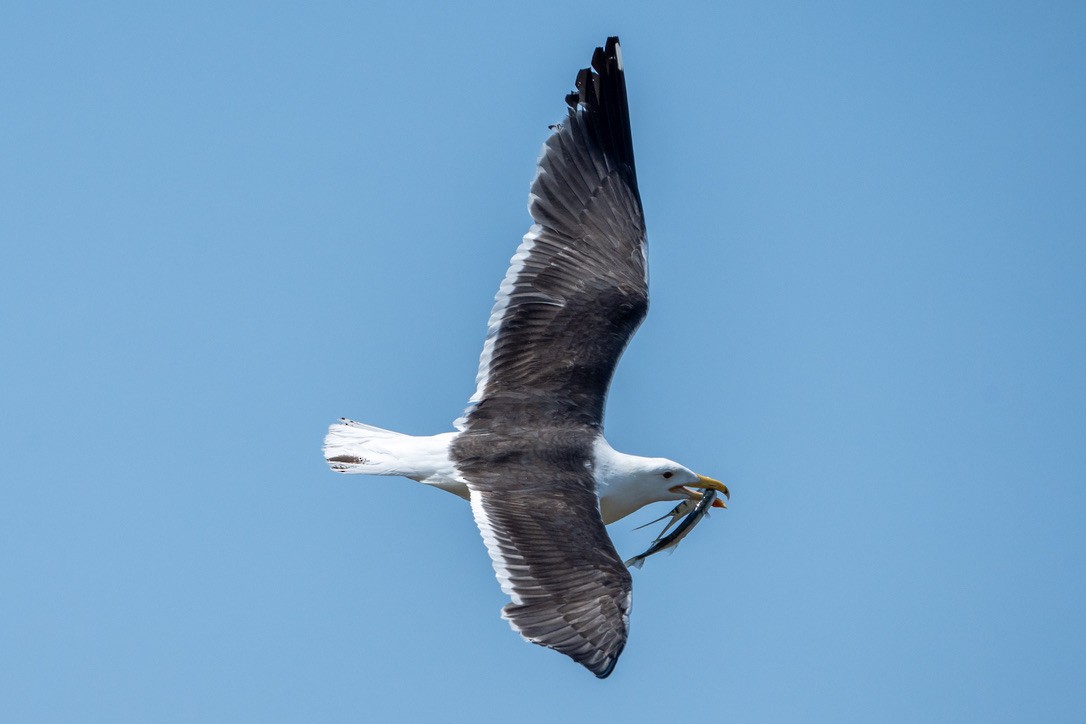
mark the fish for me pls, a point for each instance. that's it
(677, 512)
(693, 512)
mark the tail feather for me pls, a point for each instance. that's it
(355, 447)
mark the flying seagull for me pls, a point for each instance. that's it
(529, 451)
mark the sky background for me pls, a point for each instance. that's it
(225, 225)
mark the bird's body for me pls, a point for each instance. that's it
(354, 447)
(529, 452)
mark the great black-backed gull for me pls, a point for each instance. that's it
(529, 452)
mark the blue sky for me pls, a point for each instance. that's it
(226, 225)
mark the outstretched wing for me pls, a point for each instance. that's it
(537, 511)
(574, 295)
(577, 287)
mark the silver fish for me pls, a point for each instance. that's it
(677, 512)
(662, 542)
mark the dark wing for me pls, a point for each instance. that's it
(573, 296)
(577, 287)
(537, 511)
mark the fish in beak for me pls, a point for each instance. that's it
(693, 513)
(707, 484)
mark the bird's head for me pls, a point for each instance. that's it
(628, 482)
(677, 482)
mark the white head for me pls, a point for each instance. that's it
(626, 483)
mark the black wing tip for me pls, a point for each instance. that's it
(612, 659)
(608, 665)
(610, 53)
(601, 96)
(607, 64)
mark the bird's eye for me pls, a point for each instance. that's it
(668, 474)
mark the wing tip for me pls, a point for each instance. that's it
(600, 94)
(606, 65)
(609, 663)
(598, 657)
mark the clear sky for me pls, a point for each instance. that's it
(225, 225)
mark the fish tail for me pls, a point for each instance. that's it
(646, 525)
(635, 562)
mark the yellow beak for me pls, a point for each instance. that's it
(706, 483)
(709, 483)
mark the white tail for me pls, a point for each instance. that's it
(354, 447)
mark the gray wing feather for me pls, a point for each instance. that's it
(577, 288)
(574, 295)
(537, 511)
